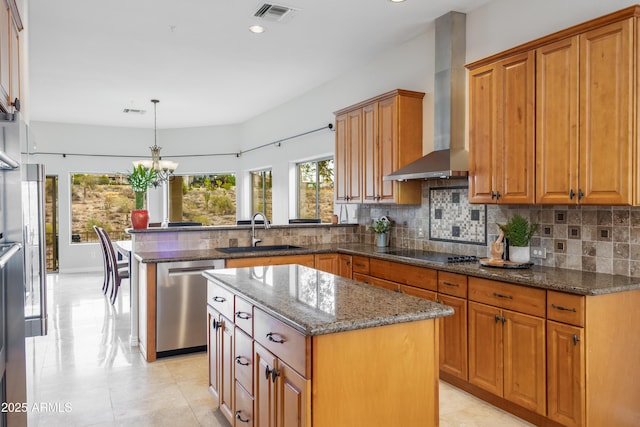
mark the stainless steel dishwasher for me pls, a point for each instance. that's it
(181, 313)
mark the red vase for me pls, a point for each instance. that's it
(139, 219)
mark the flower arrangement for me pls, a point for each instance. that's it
(518, 231)
(141, 179)
(380, 225)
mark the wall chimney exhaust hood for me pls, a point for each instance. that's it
(450, 157)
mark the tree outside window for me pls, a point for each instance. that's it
(261, 201)
(315, 189)
(208, 199)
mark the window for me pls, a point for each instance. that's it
(207, 199)
(261, 192)
(315, 189)
(102, 200)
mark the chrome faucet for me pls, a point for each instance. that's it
(255, 241)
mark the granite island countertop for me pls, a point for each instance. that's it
(317, 303)
(562, 280)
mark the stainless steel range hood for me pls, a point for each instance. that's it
(450, 157)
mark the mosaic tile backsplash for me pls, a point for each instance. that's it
(604, 239)
(453, 219)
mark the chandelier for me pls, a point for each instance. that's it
(164, 168)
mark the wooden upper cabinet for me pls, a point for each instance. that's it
(585, 135)
(389, 136)
(557, 122)
(502, 123)
(606, 114)
(10, 27)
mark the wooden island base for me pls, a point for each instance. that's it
(383, 376)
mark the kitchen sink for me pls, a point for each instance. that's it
(265, 248)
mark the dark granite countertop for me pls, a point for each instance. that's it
(563, 280)
(316, 303)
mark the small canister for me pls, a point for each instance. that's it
(334, 219)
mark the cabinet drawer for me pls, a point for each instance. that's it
(565, 308)
(360, 264)
(282, 340)
(220, 299)
(452, 284)
(404, 274)
(418, 292)
(244, 360)
(374, 281)
(244, 407)
(505, 295)
(244, 315)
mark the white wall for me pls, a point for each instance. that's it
(491, 28)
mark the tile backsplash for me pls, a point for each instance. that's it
(604, 239)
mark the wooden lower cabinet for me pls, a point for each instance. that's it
(507, 355)
(244, 407)
(306, 260)
(338, 264)
(453, 337)
(221, 361)
(565, 373)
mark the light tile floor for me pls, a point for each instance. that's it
(85, 373)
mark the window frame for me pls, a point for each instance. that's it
(317, 177)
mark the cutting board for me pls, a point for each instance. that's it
(501, 263)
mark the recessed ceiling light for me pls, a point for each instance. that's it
(257, 29)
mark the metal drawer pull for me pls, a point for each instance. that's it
(495, 294)
(242, 315)
(274, 374)
(219, 299)
(559, 307)
(239, 417)
(272, 339)
(451, 284)
(267, 372)
(216, 324)
(575, 340)
(498, 318)
(357, 264)
(240, 362)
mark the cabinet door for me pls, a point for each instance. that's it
(264, 397)
(515, 145)
(483, 131)
(606, 113)
(557, 133)
(14, 60)
(227, 377)
(354, 147)
(370, 153)
(565, 374)
(485, 347)
(388, 148)
(213, 348)
(453, 337)
(293, 398)
(327, 262)
(5, 61)
(524, 361)
(341, 160)
(344, 266)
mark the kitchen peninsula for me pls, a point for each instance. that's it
(328, 350)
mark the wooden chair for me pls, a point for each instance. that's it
(116, 270)
(105, 260)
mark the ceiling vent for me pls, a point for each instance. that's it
(275, 12)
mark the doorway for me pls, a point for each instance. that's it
(51, 222)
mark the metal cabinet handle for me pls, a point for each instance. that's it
(216, 324)
(242, 315)
(272, 339)
(561, 308)
(580, 194)
(495, 294)
(451, 284)
(498, 318)
(239, 417)
(575, 340)
(267, 372)
(274, 374)
(498, 195)
(240, 362)
(219, 299)
(572, 194)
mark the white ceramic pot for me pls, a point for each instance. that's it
(381, 240)
(519, 254)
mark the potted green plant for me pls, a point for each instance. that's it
(518, 232)
(381, 227)
(141, 179)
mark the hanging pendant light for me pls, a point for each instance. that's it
(164, 168)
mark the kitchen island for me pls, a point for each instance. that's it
(291, 342)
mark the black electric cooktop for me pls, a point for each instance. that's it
(439, 257)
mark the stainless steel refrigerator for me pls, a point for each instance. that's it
(22, 188)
